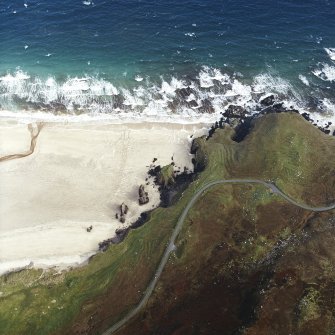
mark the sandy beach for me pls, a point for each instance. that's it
(77, 177)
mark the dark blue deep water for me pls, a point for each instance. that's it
(131, 56)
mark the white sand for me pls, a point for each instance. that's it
(78, 176)
(19, 136)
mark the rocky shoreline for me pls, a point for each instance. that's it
(234, 116)
(170, 192)
(240, 119)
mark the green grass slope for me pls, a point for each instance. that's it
(283, 148)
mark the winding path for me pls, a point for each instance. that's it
(171, 246)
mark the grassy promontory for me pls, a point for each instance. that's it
(233, 270)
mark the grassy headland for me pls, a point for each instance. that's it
(229, 235)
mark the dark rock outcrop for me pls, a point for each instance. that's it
(120, 235)
(243, 129)
(153, 172)
(123, 212)
(200, 157)
(192, 103)
(207, 106)
(276, 108)
(170, 195)
(307, 117)
(144, 217)
(143, 197)
(183, 93)
(123, 209)
(235, 112)
(211, 131)
(268, 101)
(118, 101)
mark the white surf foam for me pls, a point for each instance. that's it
(325, 115)
(331, 53)
(170, 100)
(267, 82)
(304, 79)
(325, 72)
(208, 76)
(138, 78)
(183, 118)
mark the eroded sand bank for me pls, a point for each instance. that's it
(77, 177)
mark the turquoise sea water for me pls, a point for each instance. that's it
(131, 56)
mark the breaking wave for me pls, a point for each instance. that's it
(331, 53)
(207, 93)
(325, 71)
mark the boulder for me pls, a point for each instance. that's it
(192, 103)
(235, 112)
(143, 197)
(123, 209)
(306, 116)
(279, 108)
(118, 101)
(276, 108)
(153, 172)
(268, 101)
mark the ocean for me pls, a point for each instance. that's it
(165, 59)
